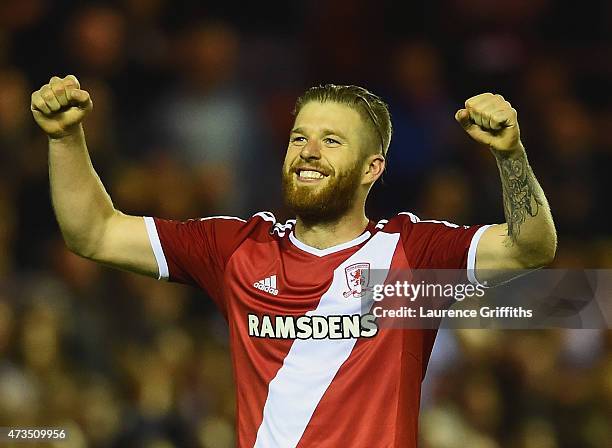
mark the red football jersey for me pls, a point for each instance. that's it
(308, 367)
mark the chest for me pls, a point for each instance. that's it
(272, 279)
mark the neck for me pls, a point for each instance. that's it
(327, 234)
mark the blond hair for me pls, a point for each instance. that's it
(371, 107)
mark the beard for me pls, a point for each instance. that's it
(325, 203)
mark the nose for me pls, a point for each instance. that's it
(311, 150)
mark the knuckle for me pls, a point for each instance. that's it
(471, 100)
(72, 80)
(47, 94)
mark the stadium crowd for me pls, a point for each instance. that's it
(192, 103)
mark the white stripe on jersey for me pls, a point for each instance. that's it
(415, 219)
(222, 217)
(382, 223)
(281, 229)
(471, 259)
(266, 216)
(158, 251)
(311, 364)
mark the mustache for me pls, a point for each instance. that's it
(310, 166)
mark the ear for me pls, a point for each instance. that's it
(375, 166)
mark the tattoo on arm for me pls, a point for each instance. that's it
(520, 193)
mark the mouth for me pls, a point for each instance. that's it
(309, 175)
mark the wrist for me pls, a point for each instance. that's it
(517, 151)
(67, 135)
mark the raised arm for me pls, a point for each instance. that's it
(90, 224)
(527, 240)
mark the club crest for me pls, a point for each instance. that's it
(357, 279)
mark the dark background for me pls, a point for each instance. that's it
(192, 108)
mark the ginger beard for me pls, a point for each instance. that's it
(321, 203)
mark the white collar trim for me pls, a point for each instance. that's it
(330, 250)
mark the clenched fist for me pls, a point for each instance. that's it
(491, 120)
(60, 106)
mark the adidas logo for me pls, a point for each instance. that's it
(268, 285)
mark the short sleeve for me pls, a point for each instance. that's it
(195, 251)
(432, 244)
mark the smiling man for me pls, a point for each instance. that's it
(311, 367)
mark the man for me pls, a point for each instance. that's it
(310, 369)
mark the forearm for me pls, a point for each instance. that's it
(530, 228)
(82, 205)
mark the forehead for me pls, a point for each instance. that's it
(329, 115)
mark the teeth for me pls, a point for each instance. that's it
(307, 174)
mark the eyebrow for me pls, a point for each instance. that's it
(325, 131)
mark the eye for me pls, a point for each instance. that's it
(298, 139)
(331, 141)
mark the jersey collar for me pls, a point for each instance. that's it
(330, 250)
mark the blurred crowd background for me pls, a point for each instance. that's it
(192, 108)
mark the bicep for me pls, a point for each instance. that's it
(496, 259)
(125, 244)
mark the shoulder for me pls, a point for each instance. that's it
(261, 225)
(408, 222)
